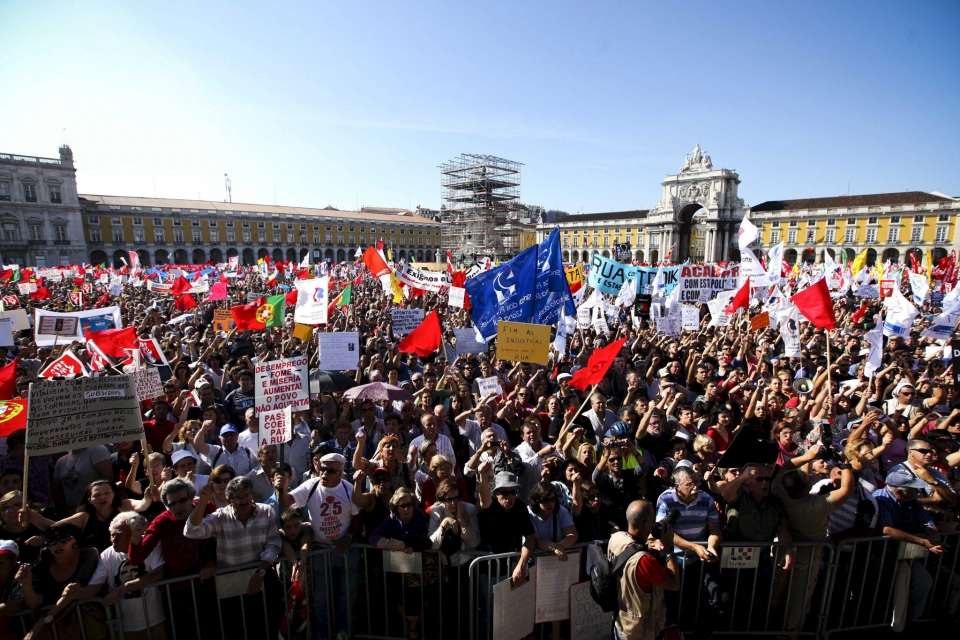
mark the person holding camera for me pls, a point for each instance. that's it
(642, 613)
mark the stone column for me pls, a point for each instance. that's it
(726, 245)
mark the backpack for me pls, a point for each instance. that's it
(605, 576)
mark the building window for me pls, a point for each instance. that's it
(811, 235)
(871, 236)
(792, 236)
(793, 223)
(260, 225)
(55, 195)
(339, 235)
(830, 236)
(775, 236)
(138, 221)
(893, 234)
(894, 219)
(872, 220)
(303, 238)
(194, 223)
(114, 220)
(851, 236)
(93, 220)
(276, 225)
(158, 236)
(36, 232)
(246, 225)
(941, 234)
(918, 218)
(138, 236)
(246, 236)
(30, 192)
(289, 237)
(157, 222)
(177, 236)
(851, 221)
(4, 190)
(214, 236)
(60, 231)
(943, 217)
(831, 222)
(262, 236)
(95, 235)
(118, 235)
(178, 223)
(229, 224)
(231, 236)
(316, 237)
(916, 234)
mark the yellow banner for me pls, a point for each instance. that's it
(302, 331)
(574, 274)
(522, 342)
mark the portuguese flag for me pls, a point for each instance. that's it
(260, 314)
(341, 300)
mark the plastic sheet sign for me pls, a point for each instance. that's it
(522, 342)
(276, 427)
(73, 414)
(281, 384)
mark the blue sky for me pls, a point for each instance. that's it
(346, 103)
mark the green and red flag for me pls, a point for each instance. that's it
(260, 314)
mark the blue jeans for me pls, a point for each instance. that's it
(335, 581)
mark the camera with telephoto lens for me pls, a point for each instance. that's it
(828, 451)
(672, 516)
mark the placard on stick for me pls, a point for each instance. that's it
(523, 342)
(760, 321)
(276, 427)
(282, 383)
(405, 320)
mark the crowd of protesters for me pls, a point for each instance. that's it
(536, 467)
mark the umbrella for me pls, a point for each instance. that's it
(377, 391)
(325, 381)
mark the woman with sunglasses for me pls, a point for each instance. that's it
(61, 577)
(219, 478)
(27, 536)
(555, 529)
(405, 529)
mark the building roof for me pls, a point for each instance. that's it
(602, 217)
(870, 200)
(205, 206)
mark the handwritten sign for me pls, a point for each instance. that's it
(72, 414)
(760, 321)
(147, 383)
(523, 342)
(554, 579)
(583, 317)
(276, 427)
(339, 351)
(405, 320)
(223, 321)
(281, 384)
(456, 297)
(691, 317)
(513, 609)
(587, 620)
(488, 386)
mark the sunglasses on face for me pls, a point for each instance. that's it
(330, 470)
(221, 481)
(925, 452)
(65, 537)
(508, 493)
(593, 497)
(549, 500)
(450, 499)
(761, 479)
(405, 505)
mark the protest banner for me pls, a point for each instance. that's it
(868, 291)
(147, 383)
(486, 386)
(701, 283)
(456, 297)
(276, 427)
(26, 288)
(160, 288)
(554, 579)
(467, 342)
(760, 321)
(223, 321)
(405, 320)
(587, 620)
(281, 384)
(513, 609)
(574, 277)
(886, 288)
(646, 275)
(607, 275)
(74, 414)
(691, 317)
(338, 351)
(523, 342)
(90, 320)
(53, 326)
(423, 279)
(312, 301)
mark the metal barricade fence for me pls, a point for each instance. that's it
(87, 620)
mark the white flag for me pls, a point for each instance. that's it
(919, 286)
(305, 263)
(900, 315)
(747, 234)
(628, 293)
(874, 338)
(775, 264)
(789, 317)
(312, 301)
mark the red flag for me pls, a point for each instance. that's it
(11, 301)
(458, 280)
(8, 380)
(291, 297)
(65, 365)
(380, 245)
(815, 304)
(597, 366)
(6, 274)
(150, 352)
(425, 339)
(217, 292)
(375, 263)
(862, 310)
(185, 302)
(42, 293)
(116, 343)
(13, 416)
(741, 300)
(78, 281)
(303, 274)
(245, 316)
(180, 285)
(102, 300)
(272, 282)
(449, 262)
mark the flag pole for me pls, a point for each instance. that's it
(24, 510)
(582, 406)
(829, 383)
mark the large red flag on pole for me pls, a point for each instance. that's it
(597, 366)
(815, 304)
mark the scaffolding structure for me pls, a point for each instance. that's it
(481, 194)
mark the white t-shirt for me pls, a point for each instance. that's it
(115, 568)
(331, 509)
(248, 439)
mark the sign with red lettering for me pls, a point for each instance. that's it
(276, 427)
(282, 384)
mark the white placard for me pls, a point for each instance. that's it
(53, 326)
(691, 317)
(147, 383)
(281, 384)
(90, 320)
(740, 557)
(233, 584)
(489, 385)
(554, 579)
(600, 326)
(339, 351)
(276, 427)
(400, 562)
(6, 332)
(587, 620)
(583, 317)
(405, 320)
(455, 298)
(467, 342)
(19, 319)
(670, 325)
(513, 609)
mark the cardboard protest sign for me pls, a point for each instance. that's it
(73, 414)
(276, 427)
(467, 342)
(6, 332)
(486, 386)
(691, 317)
(405, 320)
(523, 342)
(55, 326)
(554, 579)
(147, 383)
(223, 321)
(338, 351)
(886, 288)
(513, 609)
(281, 384)
(456, 296)
(587, 620)
(760, 321)
(19, 321)
(584, 317)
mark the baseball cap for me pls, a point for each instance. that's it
(901, 478)
(380, 471)
(180, 455)
(228, 428)
(9, 546)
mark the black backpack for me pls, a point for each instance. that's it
(605, 576)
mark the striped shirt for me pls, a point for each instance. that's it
(258, 540)
(692, 525)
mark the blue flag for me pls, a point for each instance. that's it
(504, 293)
(553, 299)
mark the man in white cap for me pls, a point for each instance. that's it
(230, 451)
(334, 518)
(184, 464)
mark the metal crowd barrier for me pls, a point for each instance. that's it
(850, 587)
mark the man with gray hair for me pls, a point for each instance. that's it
(246, 532)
